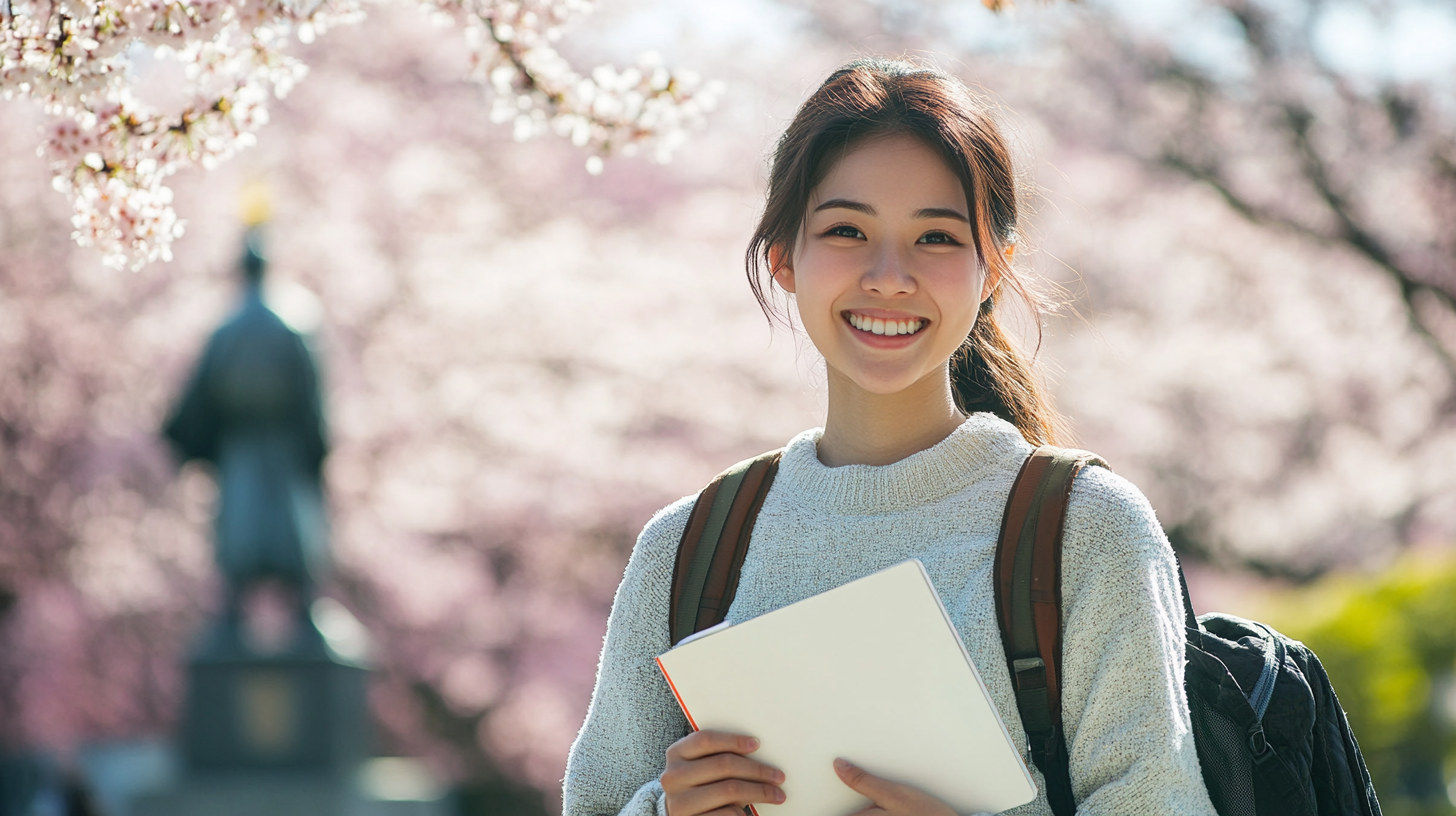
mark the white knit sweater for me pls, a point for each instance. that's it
(1124, 710)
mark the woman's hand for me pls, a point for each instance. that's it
(708, 772)
(889, 797)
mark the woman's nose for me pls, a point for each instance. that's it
(890, 275)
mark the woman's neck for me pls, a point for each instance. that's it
(863, 428)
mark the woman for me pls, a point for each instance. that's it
(892, 219)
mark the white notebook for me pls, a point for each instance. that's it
(872, 671)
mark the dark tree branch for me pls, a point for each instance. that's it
(1350, 234)
(1296, 118)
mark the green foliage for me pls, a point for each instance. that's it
(1389, 644)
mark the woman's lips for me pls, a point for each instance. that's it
(884, 323)
(865, 330)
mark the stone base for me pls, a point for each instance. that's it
(272, 795)
(298, 711)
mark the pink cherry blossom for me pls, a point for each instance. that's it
(73, 57)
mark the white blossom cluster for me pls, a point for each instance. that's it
(111, 154)
(641, 108)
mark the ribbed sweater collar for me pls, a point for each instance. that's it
(980, 445)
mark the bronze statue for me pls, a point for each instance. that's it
(253, 410)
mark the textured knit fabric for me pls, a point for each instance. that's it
(1124, 711)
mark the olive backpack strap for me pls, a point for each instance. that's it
(713, 546)
(1028, 591)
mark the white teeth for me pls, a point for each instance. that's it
(885, 327)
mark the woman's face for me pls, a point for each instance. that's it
(885, 272)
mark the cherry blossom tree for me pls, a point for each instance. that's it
(88, 63)
(102, 550)
(1315, 183)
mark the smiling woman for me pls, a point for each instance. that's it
(958, 203)
(887, 245)
(892, 221)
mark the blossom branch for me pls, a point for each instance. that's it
(112, 155)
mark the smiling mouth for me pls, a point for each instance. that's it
(875, 325)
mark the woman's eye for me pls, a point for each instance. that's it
(845, 231)
(938, 238)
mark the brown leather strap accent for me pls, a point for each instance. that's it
(686, 547)
(1018, 505)
(1028, 587)
(745, 534)
(733, 544)
(1046, 584)
(751, 480)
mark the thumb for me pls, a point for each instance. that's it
(861, 781)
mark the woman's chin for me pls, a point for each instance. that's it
(878, 383)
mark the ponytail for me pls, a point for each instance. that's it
(988, 373)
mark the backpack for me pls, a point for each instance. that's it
(1270, 733)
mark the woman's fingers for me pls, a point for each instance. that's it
(882, 792)
(706, 743)
(707, 772)
(890, 798)
(736, 792)
(723, 766)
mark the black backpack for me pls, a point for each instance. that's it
(1270, 733)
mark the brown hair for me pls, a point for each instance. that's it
(877, 97)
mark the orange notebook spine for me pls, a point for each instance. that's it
(673, 686)
(680, 704)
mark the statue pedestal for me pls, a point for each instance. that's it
(278, 734)
(300, 711)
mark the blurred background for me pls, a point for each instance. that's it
(1250, 208)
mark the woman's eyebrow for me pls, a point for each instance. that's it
(928, 212)
(845, 204)
(942, 212)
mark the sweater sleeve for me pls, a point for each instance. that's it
(614, 765)
(1124, 710)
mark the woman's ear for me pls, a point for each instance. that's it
(782, 270)
(993, 274)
